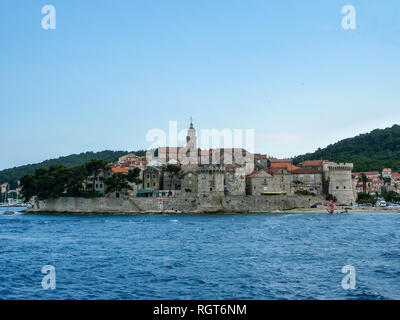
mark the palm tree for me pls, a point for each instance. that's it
(364, 179)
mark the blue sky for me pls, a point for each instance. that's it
(113, 70)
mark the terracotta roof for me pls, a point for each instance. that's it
(311, 163)
(371, 173)
(287, 166)
(305, 171)
(120, 170)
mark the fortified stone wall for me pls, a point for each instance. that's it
(201, 204)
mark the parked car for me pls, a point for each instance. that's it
(381, 203)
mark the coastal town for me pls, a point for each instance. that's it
(189, 172)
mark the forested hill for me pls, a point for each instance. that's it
(372, 151)
(12, 175)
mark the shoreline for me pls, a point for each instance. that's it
(340, 210)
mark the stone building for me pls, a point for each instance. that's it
(97, 184)
(306, 179)
(258, 183)
(210, 179)
(270, 181)
(235, 180)
(340, 182)
(152, 179)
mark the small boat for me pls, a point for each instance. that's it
(8, 212)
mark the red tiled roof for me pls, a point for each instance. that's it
(311, 163)
(371, 173)
(120, 170)
(287, 166)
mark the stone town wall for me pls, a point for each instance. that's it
(201, 204)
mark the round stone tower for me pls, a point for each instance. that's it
(340, 182)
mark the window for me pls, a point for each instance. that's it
(337, 187)
(189, 175)
(154, 176)
(312, 177)
(154, 184)
(265, 181)
(148, 176)
(190, 181)
(101, 185)
(210, 189)
(148, 185)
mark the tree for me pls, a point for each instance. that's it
(133, 176)
(364, 179)
(116, 183)
(75, 184)
(366, 198)
(45, 183)
(175, 171)
(391, 196)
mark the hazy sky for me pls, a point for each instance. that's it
(113, 70)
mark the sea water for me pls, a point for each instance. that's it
(208, 256)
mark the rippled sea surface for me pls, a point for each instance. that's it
(258, 256)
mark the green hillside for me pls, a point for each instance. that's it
(12, 175)
(371, 151)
